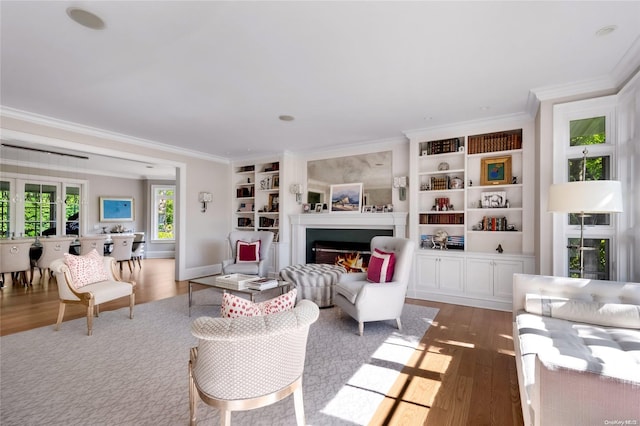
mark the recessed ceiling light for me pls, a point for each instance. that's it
(85, 18)
(606, 30)
(286, 118)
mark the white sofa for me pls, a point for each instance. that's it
(577, 347)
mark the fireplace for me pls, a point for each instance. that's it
(341, 229)
(346, 247)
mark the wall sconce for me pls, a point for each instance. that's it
(401, 183)
(204, 198)
(296, 189)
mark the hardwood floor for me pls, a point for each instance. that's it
(464, 372)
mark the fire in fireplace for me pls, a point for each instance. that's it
(354, 257)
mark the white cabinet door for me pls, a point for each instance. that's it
(503, 271)
(427, 271)
(479, 276)
(451, 273)
(442, 273)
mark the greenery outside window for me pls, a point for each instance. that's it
(585, 126)
(163, 212)
(39, 209)
(5, 208)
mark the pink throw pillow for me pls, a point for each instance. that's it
(247, 252)
(235, 307)
(87, 269)
(381, 267)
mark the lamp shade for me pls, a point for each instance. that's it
(591, 196)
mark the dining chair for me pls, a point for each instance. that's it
(138, 248)
(90, 242)
(15, 260)
(122, 249)
(52, 248)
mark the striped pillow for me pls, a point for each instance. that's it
(381, 267)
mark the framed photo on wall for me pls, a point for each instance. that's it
(116, 209)
(346, 198)
(495, 170)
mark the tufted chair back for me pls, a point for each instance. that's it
(249, 362)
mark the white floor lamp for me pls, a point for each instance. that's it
(585, 197)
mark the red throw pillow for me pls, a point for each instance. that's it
(381, 266)
(247, 252)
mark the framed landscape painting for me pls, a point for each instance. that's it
(346, 198)
(116, 209)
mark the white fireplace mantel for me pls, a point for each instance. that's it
(300, 222)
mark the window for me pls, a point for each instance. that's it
(30, 207)
(39, 209)
(5, 212)
(162, 212)
(585, 149)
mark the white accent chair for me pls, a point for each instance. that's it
(137, 248)
(91, 295)
(52, 249)
(250, 362)
(122, 249)
(366, 301)
(90, 242)
(15, 260)
(259, 268)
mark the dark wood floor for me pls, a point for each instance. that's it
(464, 372)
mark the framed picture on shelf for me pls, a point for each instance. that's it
(495, 170)
(318, 207)
(492, 200)
(346, 198)
(116, 209)
(274, 201)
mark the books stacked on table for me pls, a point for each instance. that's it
(262, 284)
(235, 281)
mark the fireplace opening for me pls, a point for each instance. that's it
(354, 257)
(345, 247)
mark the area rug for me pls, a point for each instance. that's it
(134, 372)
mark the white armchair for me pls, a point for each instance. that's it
(250, 362)
(366, 301)
(91, 295)
(230, 266)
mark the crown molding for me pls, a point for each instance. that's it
(468, 126)
(575, 88)
(104, 134)
(628, 66)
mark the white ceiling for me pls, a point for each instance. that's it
(213, 77)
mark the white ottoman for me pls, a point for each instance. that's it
(314, 281)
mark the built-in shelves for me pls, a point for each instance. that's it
(473, 186)
(257, 196)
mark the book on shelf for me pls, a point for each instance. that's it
(262, 284)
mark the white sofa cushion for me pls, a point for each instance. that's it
(606, 351)
(607, 314)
